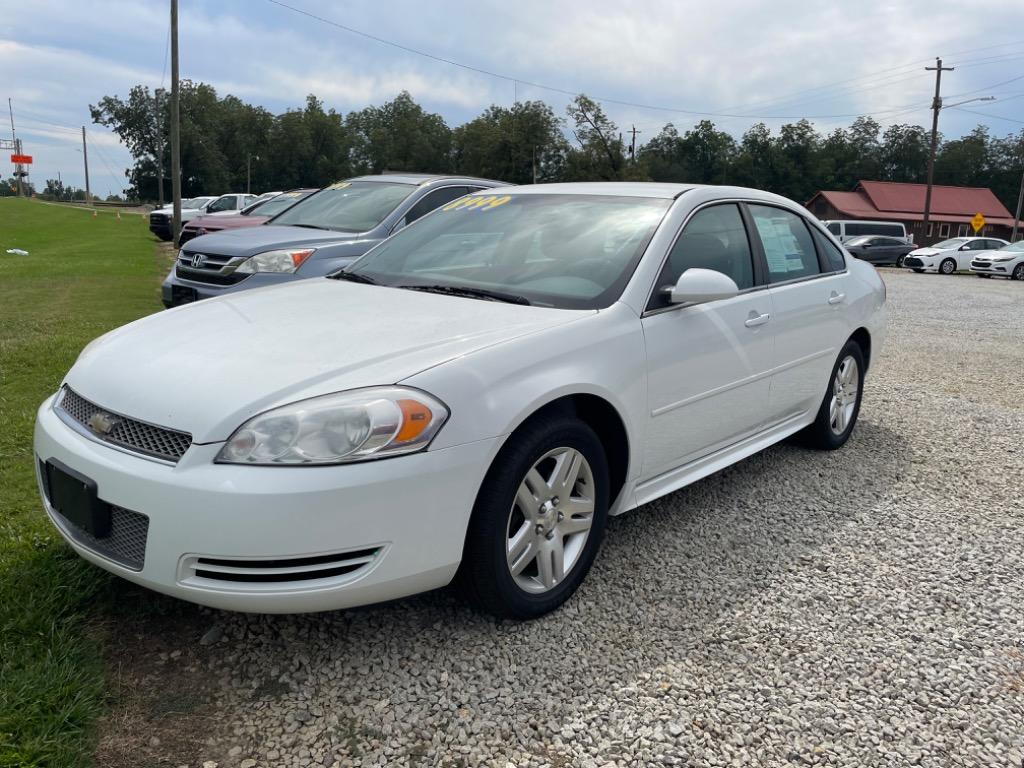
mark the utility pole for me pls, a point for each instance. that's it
(85, 159)
(938, 69)
(248, 170)
(17, 147)
(175, 145)
(632, 145)
(533, 165)
(159, 150)
(1016, 216)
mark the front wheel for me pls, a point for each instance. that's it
(1018, 272)
(840, 407)
(948, 266)
(538, 520)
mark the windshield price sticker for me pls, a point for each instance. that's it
(340, 185)
(477, 203)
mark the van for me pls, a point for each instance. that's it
(845, 229)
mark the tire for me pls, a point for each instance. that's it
(1018, 272)
(948, 266)
(899, 261)
(919, 271)
(823, 434)
(485, 576)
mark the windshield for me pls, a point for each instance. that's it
(566, 251)
(950, 243)
(348, 206)
(1018, 246)
(195, 202)
(276, 204)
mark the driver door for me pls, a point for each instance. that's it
(966, 253)
(708, 365)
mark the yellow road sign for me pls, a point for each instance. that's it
(978, 222)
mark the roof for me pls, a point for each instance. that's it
(420, 178)
(611, 188)
(905, 202)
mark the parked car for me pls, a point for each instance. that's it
(1007, 261)
(161, 219)
(256, 213)
(846, 230)
(950, 255)
(879, 249)
(320, 234)
(470, 400)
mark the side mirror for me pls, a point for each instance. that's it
(697, 286)
(402, 224)
(866, 245)
(965, 247)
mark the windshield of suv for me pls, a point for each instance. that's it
(348, 206)
(956, 241)
(277, 203)
(565, 251)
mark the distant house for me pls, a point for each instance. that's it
(951, 211)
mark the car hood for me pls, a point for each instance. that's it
(230, 222)
(207, 367)
(252, 240)
(925, 252)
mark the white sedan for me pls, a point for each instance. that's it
(951, 255)
(469, 401)
(1008, 261)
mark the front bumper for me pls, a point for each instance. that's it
(992, 268)
(160, 228)
(242, 538)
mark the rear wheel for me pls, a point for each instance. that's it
(899, 261)
(948, 266)
(840, 407)
(538, 521)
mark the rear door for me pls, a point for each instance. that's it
(708, 364)
(807, 281)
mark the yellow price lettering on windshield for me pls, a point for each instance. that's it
(477, 202)
(340, 185)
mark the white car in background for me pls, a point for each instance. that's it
(469, 400)
(950, 255)
(1007, 261)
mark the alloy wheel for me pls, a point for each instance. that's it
(550, 520)
(1018, 272)
(845, 387)
(948, 267)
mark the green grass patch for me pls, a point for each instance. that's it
(83, 276)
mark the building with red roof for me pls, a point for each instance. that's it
(951, 211)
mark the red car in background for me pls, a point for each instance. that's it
(256, 214)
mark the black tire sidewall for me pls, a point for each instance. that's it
(820, 434)
(484, 573)
(1018, 272)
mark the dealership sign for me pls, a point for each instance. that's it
(21, 159)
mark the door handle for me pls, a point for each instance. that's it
(836, 298)
(755, 320)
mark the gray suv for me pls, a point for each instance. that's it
(324, 232)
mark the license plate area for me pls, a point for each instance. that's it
(75, 497)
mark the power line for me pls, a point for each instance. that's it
(542, 86)
(989, 114)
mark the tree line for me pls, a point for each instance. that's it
(222, 137)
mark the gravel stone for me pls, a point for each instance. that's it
(863, 607)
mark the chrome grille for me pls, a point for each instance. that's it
(212, 268)
(132, 434)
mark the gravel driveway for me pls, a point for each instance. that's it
(861, 608)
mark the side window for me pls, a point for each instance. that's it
(714, 238)
(788, 247)
(433, 200)
(994, 244)
(835, 228)
(834, 258)
(221, 204)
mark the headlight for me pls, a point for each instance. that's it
(334, 429)
(286, 260)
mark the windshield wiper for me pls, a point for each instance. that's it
(353, 277)
(473, 293)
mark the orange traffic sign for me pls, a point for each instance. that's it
(978, 222)
(21, 159)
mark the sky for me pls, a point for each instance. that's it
(652, 62)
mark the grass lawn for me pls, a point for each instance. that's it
(82, 277)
